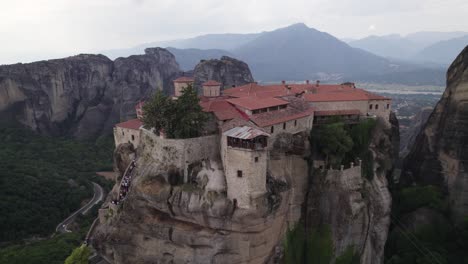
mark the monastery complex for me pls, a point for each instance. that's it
(248, 119)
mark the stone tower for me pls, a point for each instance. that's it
(211, 88)
(180, 84)
(245, 155)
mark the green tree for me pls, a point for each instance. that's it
(156, 112)
(189, 116)
(79, 255)
(181, 118)
(319, 246)
(350, 256)
(294, 245)
(333, 141)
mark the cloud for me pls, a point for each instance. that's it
(69, 26)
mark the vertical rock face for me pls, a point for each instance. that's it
(440, 153)
(228, 71)
(83, 95)
(357, 208)
(164, 221)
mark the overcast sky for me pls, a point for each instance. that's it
(38, 29)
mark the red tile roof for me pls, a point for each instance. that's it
(253, 103)
(312, 92)
(221, 109)
(184, 79)
(211, 83)
(279, 116)
(337, 112)
(131, 124)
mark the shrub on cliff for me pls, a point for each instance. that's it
(79, 256)
(314, 247)
(181, 118)
(333, 141)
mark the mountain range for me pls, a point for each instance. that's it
(437, 48)
(296, 53)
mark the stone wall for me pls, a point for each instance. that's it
(362, 106)
(165, 155)
(302, 124)
(126, 135)
(211, 91)
(178, 88)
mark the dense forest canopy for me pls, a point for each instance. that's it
(44, 179)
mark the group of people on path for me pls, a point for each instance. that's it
(125, 183)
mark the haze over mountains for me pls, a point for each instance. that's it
(438, 48)
(296, 53)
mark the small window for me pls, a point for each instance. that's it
(370, 106)
(239, 173)
(284, 126)
(133, 138)
(376, 106)
(123, 133)
(295, 122)
(256, 159)
(272, 129)
(388, 106)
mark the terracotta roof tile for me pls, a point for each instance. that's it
(312, 92)
(253, 103)
(280, 116)
(184, 79)
(131, 124)
(221, 109)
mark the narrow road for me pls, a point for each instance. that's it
(97, 197)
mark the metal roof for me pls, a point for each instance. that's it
(245, 132)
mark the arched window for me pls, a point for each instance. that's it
(272, 129)
(284, 126)
(133, 137)
(370, 106)
(376, 106)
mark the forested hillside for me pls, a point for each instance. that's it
(43, 180)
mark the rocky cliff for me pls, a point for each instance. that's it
(85, 95)
(228, 71)
(165, 221)
(354, 206)
(440, 154)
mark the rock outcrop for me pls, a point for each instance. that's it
(408, 137)
(164, 220)
(228, 71)
(83, 95)
(356, 207)
(440, 153)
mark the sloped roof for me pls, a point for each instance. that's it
(221, 109)
(131, 124)
(279, 116)
(253, 103)
(312, 92)
(184, 79)
(245, 132)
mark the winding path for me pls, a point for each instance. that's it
(97, 197)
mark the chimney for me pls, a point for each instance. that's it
(307, 81)
(317, 83)
(288, 88)
(283, 82)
